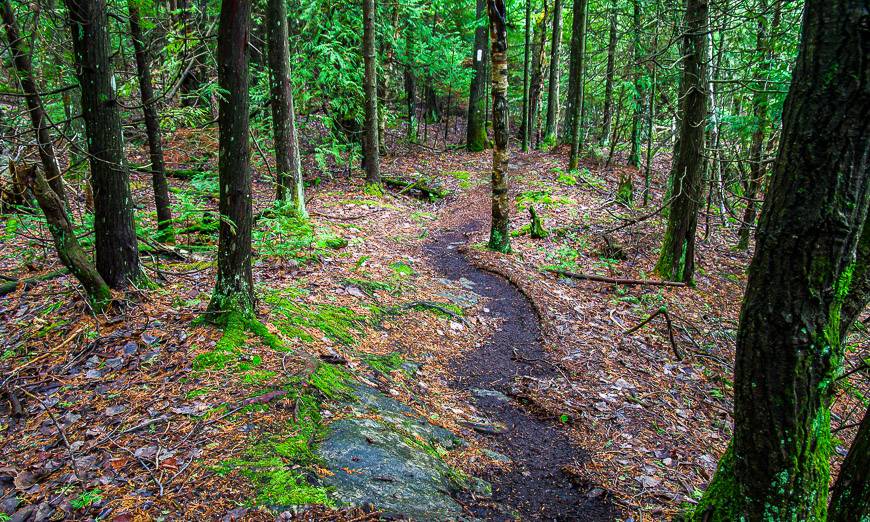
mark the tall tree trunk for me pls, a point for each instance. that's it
(234, 288)
(576, 81)
(370, 85)
(524, 126)
(476, 131)
(410, 84)
(499, 235)
(576, 68)
(850, 499)
(38, 118)
(537, 81)
(609, 75)
(759, 113)
(152, 127)
(677, 258)
(789, 349)
(117, 254)
(552, 122)
(638, 94)
(287, 157)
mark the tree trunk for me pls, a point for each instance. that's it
(677, 259)
(287, 157)
(576, 77)
(552, 122)
(637, 95)
(524, 126)
(67, 245)
(759, 113)
(608, 82)
(370, 85)
(850, 499)
(575, 68)
(499, 235)
(234, 288)
(38, 118)
(117, 254)
(410, 84)
(537, 81)
(789, 350)
(152, 128)
(476, 131)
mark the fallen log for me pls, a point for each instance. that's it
(614, 280)
(12, 285)
(420, 185)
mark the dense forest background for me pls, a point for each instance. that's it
(248, 252)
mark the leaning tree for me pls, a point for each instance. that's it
(789, 342)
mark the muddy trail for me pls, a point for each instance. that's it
(534, 487)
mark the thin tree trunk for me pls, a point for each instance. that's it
(576, 68)
(234, 288)
(789, 342)
(476, 138)
(537, 82)
(152, 128)
(370, 81)
(287, 156)
(552, 122)
(117, 254)
(850, 499)
(638, 94)
(577, 75)
(609, 75)
(677, 259)
(524, 126)
(38, 118)
(410, 85)
(499, 235)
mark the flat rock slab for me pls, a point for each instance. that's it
(392, 462)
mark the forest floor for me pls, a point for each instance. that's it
(150, 413)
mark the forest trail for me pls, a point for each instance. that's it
(534, 486)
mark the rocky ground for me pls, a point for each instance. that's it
(394, 362)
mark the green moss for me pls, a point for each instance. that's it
(295, 319)
(286, 234)
(543, 197)
(403, 269)
(228, 348)
(258, 377)
(331, 381)
(375, 190)
(386, 364)
(369, 286)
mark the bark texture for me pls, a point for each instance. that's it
(850, 499)
(789, 341)
(288, 161)
(638, 94)
(552, 122)
(476, 138)
(608, 80)
(677, 258)
(499, 235)
(117, 255)
(152, 127)
(576, 81)
(370, 85)
(234, 288)
(38, 118)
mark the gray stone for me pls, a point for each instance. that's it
(496, 456)
(481, 393)
(462, 300)
(9, 505)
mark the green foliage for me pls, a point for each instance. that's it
(282, 233)
(543, 197)
(87, 498)
(295, 318)
(386, 364)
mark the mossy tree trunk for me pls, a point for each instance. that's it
(677, 257)
(527, 49)
(576, 81)
(288, 162)
(552, 122)
(537, 76)
(499, 235)
(152, 127)
(789, 341)
(370, 86)
(38, 118)
(850, 499)
(475, 139)
(67, 245)
(234, 288)
(410, 84)
(117, 254)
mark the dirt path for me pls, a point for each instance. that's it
(534, 487)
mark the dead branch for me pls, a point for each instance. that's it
(663, 312)
(614, 280)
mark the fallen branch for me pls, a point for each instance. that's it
(664, 312)
(12, 285)
(419, 185)
(614, 280)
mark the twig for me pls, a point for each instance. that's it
(664, 312)
(60, 430)
(614, 280)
